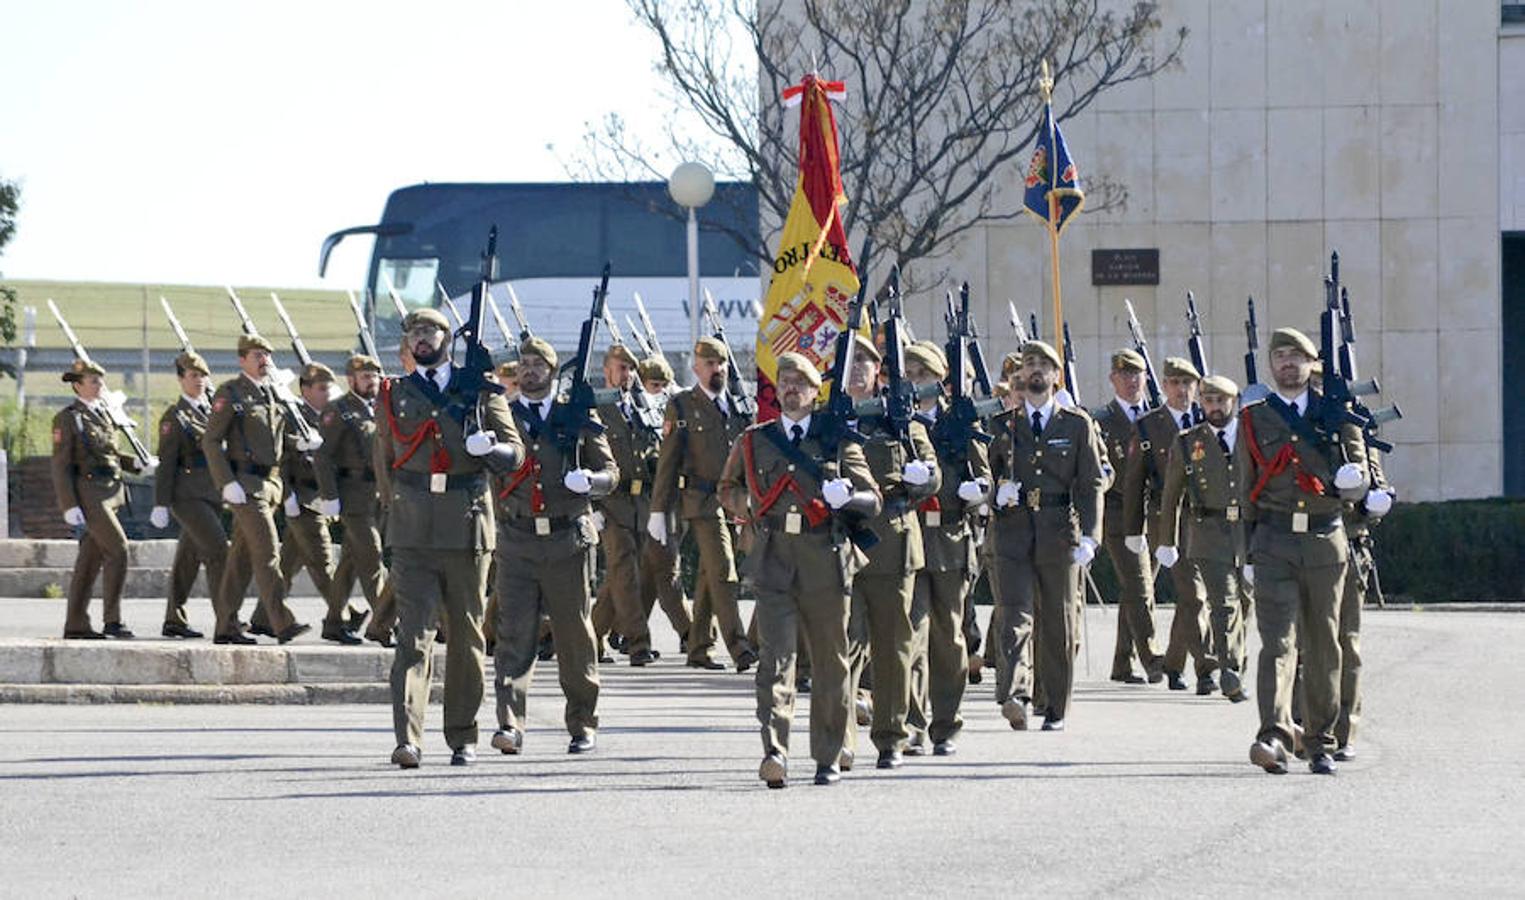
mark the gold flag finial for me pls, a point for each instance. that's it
(1046, 83)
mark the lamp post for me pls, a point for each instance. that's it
(692, 185)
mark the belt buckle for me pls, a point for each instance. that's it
(682, 482)
(934, 518)
(1232, 513)
(542, 526)
(1035, 498)
(1299, 523)
(437, 482)
(792, 523)
(635, 487)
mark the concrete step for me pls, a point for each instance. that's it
(200, 663)
(25, 554)
(33, 581)
(302, 694)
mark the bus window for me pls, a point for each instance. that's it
(414, 280)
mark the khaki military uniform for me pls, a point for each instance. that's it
(1037, 581)
(441, 532)
(1200, 515)
(879, 630)
(307, 541)
(802, 566)
(245, 442)
(940, 656)
(1358, 573)
(544, 567)
(639, 571)
(345, 472)
(697, 438)
(1143, 485)
(87, 473)
(183, 484)
(1299, 550)
(1135, 571)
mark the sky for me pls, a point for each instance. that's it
(175, 142)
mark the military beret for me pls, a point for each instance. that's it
(538, 346)
(428, 316)
(862, 346)
(711, 348)
(1291, 337)
(191, 361)
(1180, 367)
(655, 368)
(1219, 384)
(794, 362)
(247, 342)
(80, 368)
(316, 373)
(1126, 360)
(1010, 363)
(1043, 349)
(929, 356)
(508, 369)
(623, 352)
(362, 363)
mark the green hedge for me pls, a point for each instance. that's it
(1461, 550)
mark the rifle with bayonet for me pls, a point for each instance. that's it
(1253, 389)
(297, 347)
(1142, 349)
(279, 380)
(972, 341)
(1341, 404)
(474, 375)
(647, 416)
(1032, 326)
(446, 302)
(367, 341)
(740, 402)
(1071, 382)
(513, 306)
(572, 411)
(397, 304)
(510, 346)
(112, 401)
(176, 327)
(1016, 324)
(640, 339)
(957, 426)
(1195, 350)
(651, 331)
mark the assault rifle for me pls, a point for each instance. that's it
(472, 378)
(367, 340)
(900, 396)
(510, 346)
(112, 401)
(297, 347)
(1142, 349)
(1071, 383)
(958, 425)
(1341, 398)
(513, 306)
(1253, 389)
(572, 411)
(741, 403)
(176, 327)
(279, 380)
(651, 331)
(446, 302)
(1194, 349)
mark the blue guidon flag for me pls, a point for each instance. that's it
(1040, 183)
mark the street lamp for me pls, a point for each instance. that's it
(692, 185)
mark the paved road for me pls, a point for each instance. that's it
(1148, 792)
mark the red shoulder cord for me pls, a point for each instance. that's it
(439, 459)
(815, 509)
(1287, 455)
(530, 466)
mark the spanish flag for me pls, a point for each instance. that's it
(814, 279)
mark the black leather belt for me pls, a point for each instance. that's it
(1232, 513)
(780, 525)
(690, 483)
(94, 472)
(1299, 523)
(362, 474)
(531, 524)
(422, 481)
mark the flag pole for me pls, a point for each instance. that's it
(1046, 86)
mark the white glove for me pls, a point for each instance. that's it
(293, 508)
(656, 526)
(233, 493)
(329, 507)
(1378, 503)
(1349, 476)
(1167, 556)
(1136, 544)
(1249, 574)
(598, 520)
(307, 445)
(1083, 554)
(480, 443)
(159, 517)
(578, 481)
(972, 491)
(1008, 494)
(74, 516)
(916, 472)
(837, 492)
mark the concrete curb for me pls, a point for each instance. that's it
(266, 694)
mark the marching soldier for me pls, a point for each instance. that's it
(183, 486)
(87, 480)
(661, 577)
(1118, 421)
(347, 481)
(1143, 486)
(879, 632)
(440, 529)
(786, 479)
(1359, 517)
(1296, 481)
(1200, 511)
(1046, 528)
(940, 659)
(698, 434)
(545, 555)
(244, 442)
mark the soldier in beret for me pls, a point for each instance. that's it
(87, 481)
(183, 486)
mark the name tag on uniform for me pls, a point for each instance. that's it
(437, 482)
(1232, 513)
(542, 526)
(792, 523)
(934, 518)
(635, 487)
(1299, 523)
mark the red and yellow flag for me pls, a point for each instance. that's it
(814, 278)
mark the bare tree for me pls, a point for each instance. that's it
(942, 102)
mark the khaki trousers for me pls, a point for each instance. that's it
(255, 550)
(1298, 600)
(879, 635)
(1135, 608)
(715, 596)
(939, 658)
(202, 543)
(102, 550)
(431, 584)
